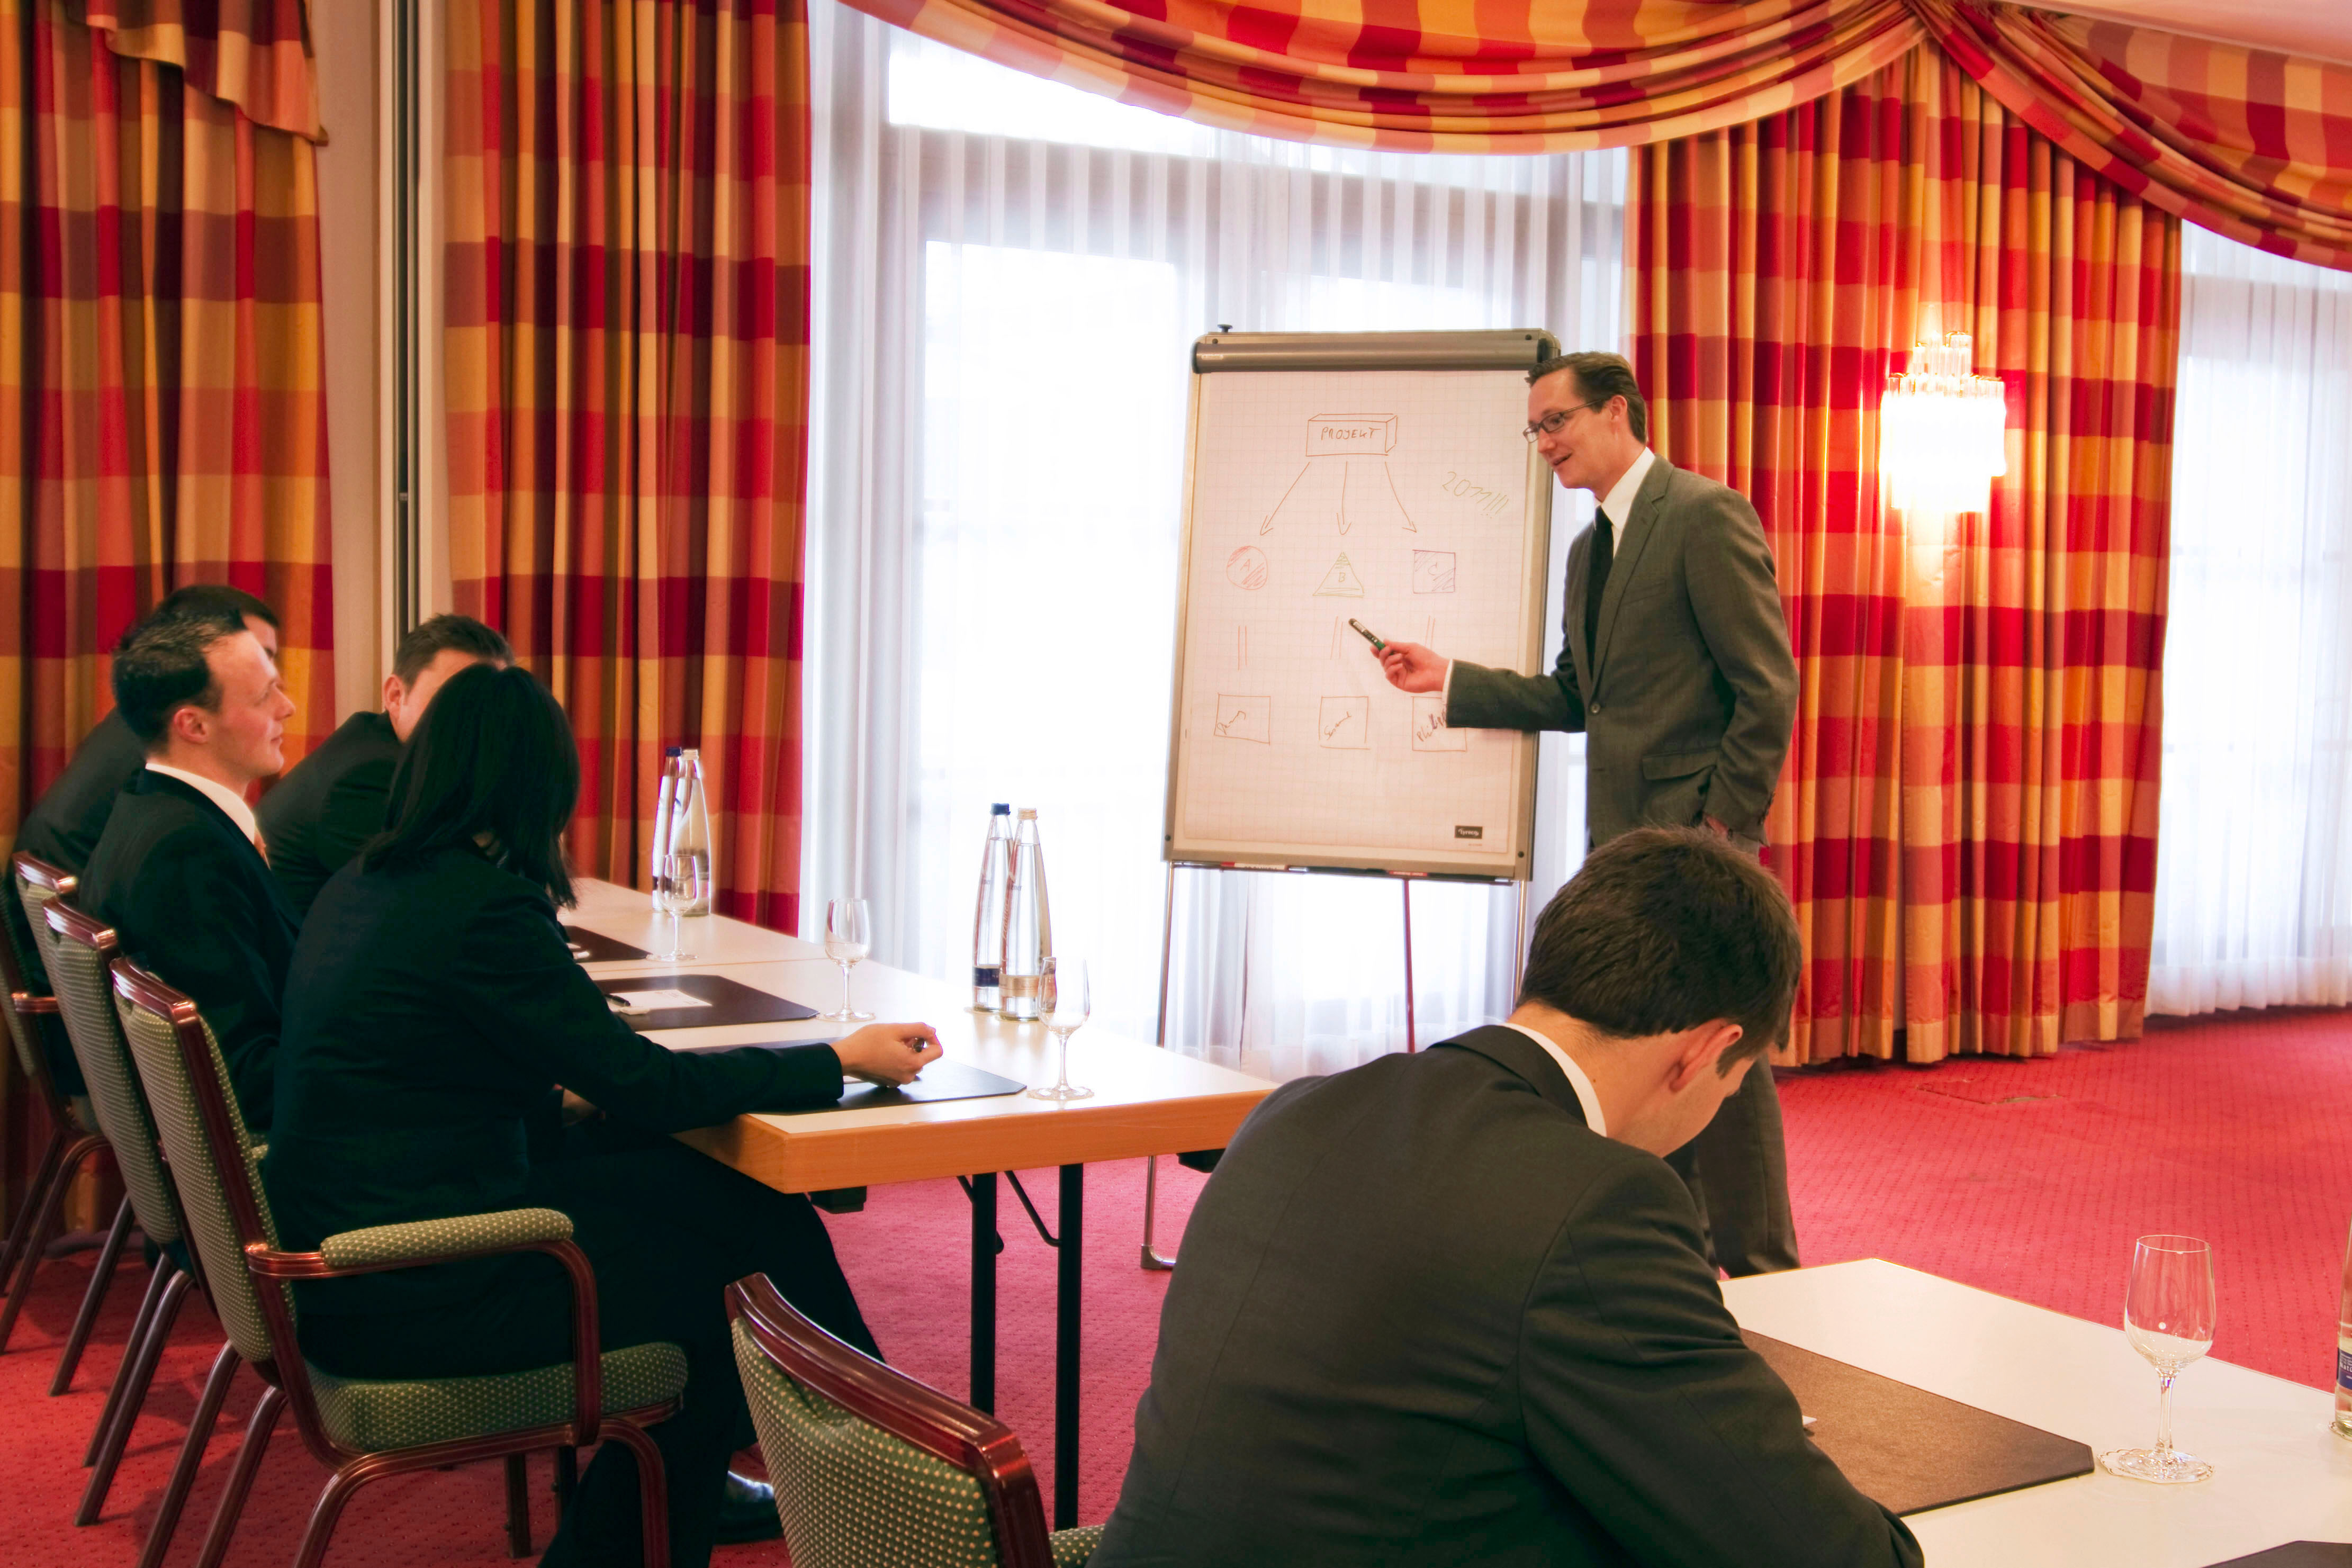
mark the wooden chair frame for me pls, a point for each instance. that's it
(35, 1224)
(972, 1441)
(288, 1378)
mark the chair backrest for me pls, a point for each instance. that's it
(81, 949)
(869, 1464)
(215, 1164)
(35, 883)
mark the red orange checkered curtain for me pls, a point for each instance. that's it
(1968, 818)
(161, 404)
(626, 287)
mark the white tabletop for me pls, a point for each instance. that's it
(2280, 1474)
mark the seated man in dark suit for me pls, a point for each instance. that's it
(1454, 1308)
(176, 873)
(314, 820)
(63, 826)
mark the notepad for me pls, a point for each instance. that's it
(652, 1001)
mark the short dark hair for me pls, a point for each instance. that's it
(1666, 929)
(441, 635)
(214, 602)
(493, 754)
(1599, 377)
(161, 667)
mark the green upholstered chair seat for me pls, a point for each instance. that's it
(1072, 1547)
(375, 1416)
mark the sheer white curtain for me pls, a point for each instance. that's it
(2254, 884)
(1009, 274)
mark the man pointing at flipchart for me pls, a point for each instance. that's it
(1676, 663)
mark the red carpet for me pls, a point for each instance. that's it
(2030, 1178)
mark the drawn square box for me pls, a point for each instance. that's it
(1245, 719)
(1345, 723)
(1351, 435)
(1432, 570)
(1430, 732)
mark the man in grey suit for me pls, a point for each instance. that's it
(1451, 1309)
(1675, 664)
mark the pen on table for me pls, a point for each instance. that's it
(1378, 646)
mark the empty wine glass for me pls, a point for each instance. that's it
(2168, 1313)
(681, 882)
(848, 936)
(1065, 1002)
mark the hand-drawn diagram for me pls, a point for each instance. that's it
(1346, 476)
(1345, 723)
(1340, 582)
(1246, 718)
(1241, 648)
(1430, 732)
(1432, 570)
(1246, 568)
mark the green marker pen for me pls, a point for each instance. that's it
(1378, 646)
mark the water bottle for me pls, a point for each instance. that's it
(689, 823)
(659, 855)
(2344, 1353)
(1028, 928)
(988, 919)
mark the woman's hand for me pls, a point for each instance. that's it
(888, 1053)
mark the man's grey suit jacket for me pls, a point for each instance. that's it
(1692, 693)
(1427, 1318)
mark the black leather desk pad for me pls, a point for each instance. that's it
(2297, 1554)
(732, 1002)
(595, 947)
(1911, 1450)
(942, 1080)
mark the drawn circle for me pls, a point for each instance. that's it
(1245, 568)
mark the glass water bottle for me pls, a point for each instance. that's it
(1028, 928)
(988, 918)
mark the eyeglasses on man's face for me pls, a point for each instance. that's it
(1553, 423)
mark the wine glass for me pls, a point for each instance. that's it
(680, 882)
(848, 935)
(1064, 1002)
(2168, 1314)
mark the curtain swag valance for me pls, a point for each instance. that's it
(252, 54)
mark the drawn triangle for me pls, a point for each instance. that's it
(1340, 582)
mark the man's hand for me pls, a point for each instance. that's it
(888, 1053)
(1413, 668)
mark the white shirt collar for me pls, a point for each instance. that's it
(1586, 1096)
(219, 793)
(1619, 502)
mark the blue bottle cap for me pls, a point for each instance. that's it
(672, 751)
(999, 809)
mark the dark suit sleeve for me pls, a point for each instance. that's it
(1480, 698)
(515, 974)
(352, 815)
(1736, 598)
(1640, 1396)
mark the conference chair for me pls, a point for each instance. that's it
(79, 952)
(364, 1429)
(74, 1136)
(871, 1466)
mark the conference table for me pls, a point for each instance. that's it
(2280, 1474)
(1146, 1101)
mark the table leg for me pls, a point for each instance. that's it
(984, 1246)
(1066, 1347)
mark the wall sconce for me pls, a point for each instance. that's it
(1942, 431)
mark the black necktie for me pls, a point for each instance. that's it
(1596, 581)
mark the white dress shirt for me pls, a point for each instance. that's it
(220, 795)
(1585, 1094)
(1619, 505)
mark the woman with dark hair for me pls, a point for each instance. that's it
(433, 1012)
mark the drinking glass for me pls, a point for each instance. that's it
(680, 882)
(848, 935)
(1065, 1003)
(2169, 1317)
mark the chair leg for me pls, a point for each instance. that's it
(517, 1506)
(137, 1376)
(192, 1457)
(329, 1509)
(100, 1277)
(240, 1476)
(653, 1489)
(156, 1283)
(37, 1241)
(37, 1192)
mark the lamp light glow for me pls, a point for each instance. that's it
(1942, 430)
